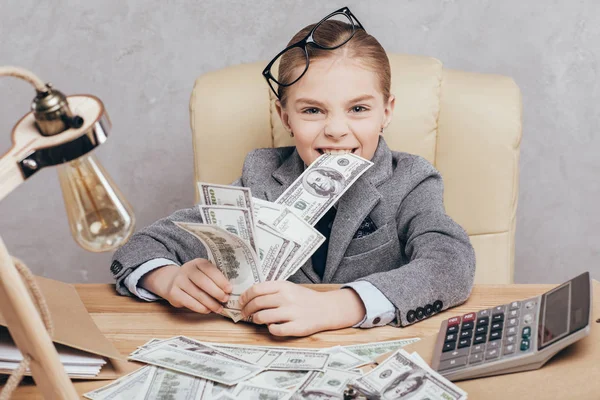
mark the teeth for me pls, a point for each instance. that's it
(336, 152)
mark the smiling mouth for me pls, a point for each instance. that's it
(337, 151)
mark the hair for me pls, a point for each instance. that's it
(362, 47)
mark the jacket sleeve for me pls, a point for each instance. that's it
(441, 260)
(162, 239)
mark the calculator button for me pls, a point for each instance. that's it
(453, 321)
(475, 358)
(499, 310)
(466, 334)
(509, 349)
(479, 339)
(481, 330)
(467, 326)
(420, 312)
(497, 317)
(524, 344)
(526, 332)
(483, 313)
(510, 340)
(496, 326)
(468, 317)
(529, 305)
(464, 343)
(492, 345)
(528, 319)
(453, 363)
(511, 331)
(515, 305)
(512, 322)
(450, 338)
(492, 354)
(454, 354)
(478, 348)
(449, 346)
(513, 314)
(496, 335)
(483, 321)
(428, 310)
(452, 329)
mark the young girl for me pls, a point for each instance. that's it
(390, 243)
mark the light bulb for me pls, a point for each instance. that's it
(99, 216)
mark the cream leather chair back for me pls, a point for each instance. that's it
(466, 124)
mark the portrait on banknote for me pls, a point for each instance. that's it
(405, 385)
(324, 182)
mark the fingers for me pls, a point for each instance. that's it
(259, 289)
(260, 303)
(201, 296)
(292, 328)
(211, 271)
(270, 316)
(200, 279)
(182, 299)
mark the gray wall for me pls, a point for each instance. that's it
(141, 59)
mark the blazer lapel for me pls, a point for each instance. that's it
(354, 206)
(291, 168)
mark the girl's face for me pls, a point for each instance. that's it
(337, 107)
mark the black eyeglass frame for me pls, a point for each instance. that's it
(308, 39)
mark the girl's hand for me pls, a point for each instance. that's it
(293, 310)
(197, 285)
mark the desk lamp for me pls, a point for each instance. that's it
(59, 130)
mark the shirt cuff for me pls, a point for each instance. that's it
(132, 280)
(379, 310)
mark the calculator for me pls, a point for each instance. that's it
(514, 337)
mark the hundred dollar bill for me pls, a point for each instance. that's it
(250, 354)
(273, 249)
(233, 219)
(171, 385)
(225, 195)
(340, 358)
(227, 372)
(373, 350)
(280, 379)
(286, 222)
(322, 184)
(216, 390)
(249, 391)
(328, 383)
(399, 375)
(186, 343)
(124, 388)
(300, 360)
(232, 256)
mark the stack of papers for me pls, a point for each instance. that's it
(76, 362)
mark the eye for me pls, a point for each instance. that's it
(358, 109)
(312, 110)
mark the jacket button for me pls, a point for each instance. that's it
(428, 310)
(438, 305)
(411, 316)
(420, 312)
(376, 320)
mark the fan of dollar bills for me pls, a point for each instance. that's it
(252, 240)
(182, 368)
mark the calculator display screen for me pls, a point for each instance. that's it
(564, 310)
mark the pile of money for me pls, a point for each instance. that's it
(181, 368)
(252, 240)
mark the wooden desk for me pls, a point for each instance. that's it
(129, 323)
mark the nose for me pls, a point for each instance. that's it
(336, 128)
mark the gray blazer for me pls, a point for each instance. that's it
(414, 253)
